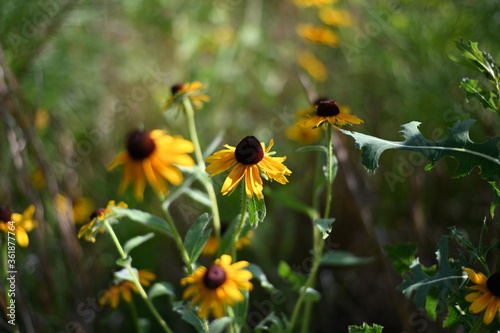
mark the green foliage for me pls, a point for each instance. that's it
(259, 275)
(272, 324)
(365, 328)
(218, 325)
(402, 255)
(343, 258)
(496, 198)
(324, 225)
(458, 145)
(197, 237)
(152, 221)
(136, 241)
(160, 289)
(419, 283)
(488, 91)
(295, 280)
(256, 211)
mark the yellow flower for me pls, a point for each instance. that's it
(249, 159)
(487, 295)
(316, 69)
(217, 286)
(82, 208)
(335, 17)
(90, 230)
(318, 34)
(124, 288)
(329, 111)
(151, 156)
(193, 91)
(212, 244)
(309, 3)
(18, 224)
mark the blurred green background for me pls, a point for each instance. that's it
(77, 76)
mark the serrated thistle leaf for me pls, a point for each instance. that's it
(402, 255)
(496, 198)
(420, 283)
(458, 145)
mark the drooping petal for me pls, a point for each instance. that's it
(233, 179)
(22, 237)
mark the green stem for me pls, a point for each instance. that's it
(209, 187)
(135, 278)
(318, 240)
(234, 325)
(178, 240)
(241, 223)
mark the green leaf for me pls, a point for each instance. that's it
(402, 256)
(457, 145)
(218, 325)
(124, 262)
(325, 226)
(431, 303)
(189, 316)
(272, 323)
(474, 91)
(198, 196)
(452, 318)
(241, 308)
(446, 277)
(259, 275)
(311, 295)
(147, 219)
(496, 198)
(124, 275)
(160, 289)
(481, 60)
(296, 280)
(197, 237)
(256, 211)
(136, 241)
(343, 258)
(365, 328)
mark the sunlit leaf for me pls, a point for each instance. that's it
(365, 328)
(197, 237)
(136, 241)
(343, 258)
(324, 225)
(402, 255)
(256, 211)
(160, 289)
(147, 219)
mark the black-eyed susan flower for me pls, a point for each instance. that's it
(124, 289)
(249, 160)
(18, 224)
(217, 286)
(318, 34)
(194, 91)
(486, 296)
(329, 111)
(90, 230)
(152, 156)
(212, 244)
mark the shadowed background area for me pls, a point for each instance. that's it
(77, 76)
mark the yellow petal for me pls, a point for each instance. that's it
(233, 179)
(22, 237)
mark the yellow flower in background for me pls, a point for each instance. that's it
(318, 34)
(37, 178)
(194, 91)
(212, 244)
(249, 159)
(124, 289)
(309, 3)
(90, 230)
(335, 17)
(487, 295)
(313, 66)
(152, 156)
(329, 111)
(41, 119)
(217, 286)
(22, 223)
(82, 208)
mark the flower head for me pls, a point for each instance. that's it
(193, 91)
(151, 156)
(90, 230)
(317, 34)
(335, 17)
(249, 160)
(329, 111)
(125, 288)
(217, 286)
(313, 66)
(487, 295)
(19, 224)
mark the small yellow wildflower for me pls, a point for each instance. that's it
(124, 288)
(317, 34)
(18, 224)
(487, 295)
(90, 230)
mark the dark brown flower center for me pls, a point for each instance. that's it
(249, 151)
(320, 99)
(214, 277)
(176, 87)
(5, 213)
(493, 284)
(327, 108)
(97, 212)
(140, 145)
